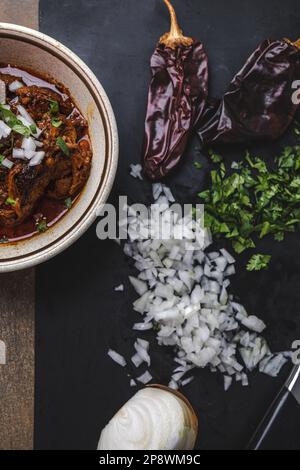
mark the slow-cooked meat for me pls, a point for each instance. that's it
(81, 165)
(72, 173)
(62, 150)
(26, 185)
(36, 100)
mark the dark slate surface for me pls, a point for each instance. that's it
(78, 315)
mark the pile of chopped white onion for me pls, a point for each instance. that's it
(184, 296)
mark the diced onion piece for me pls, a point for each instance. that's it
(272, 364)
(116, 357)
(25, 114)
(119, 288)
(29, 154)
(156, 190)
(187, 381)
(137, 360)
(37, 158)
(2, 92)
(7, 163)
(136, 171)
(227, 382)
(139, 286)
(173, 385)
(142, 326)
(168, 194)
(5, 130)
(28, 143)
(254, 323)
(15, 85)
(228, 256)
(145, 378)
(18, 153)
(28, 123)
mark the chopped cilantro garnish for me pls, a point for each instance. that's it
(62, 145)
(41, 225)
(258, 262)
(54, 107)
(13, 122)
(68, 202)
(215, 157)
(33, 128)
(21, 129)
(10, 201)
(56, 122)
(198, 165)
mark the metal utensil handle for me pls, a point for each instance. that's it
(270, 420)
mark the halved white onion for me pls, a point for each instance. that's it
(155, 418)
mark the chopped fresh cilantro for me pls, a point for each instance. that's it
(62, 145)
(10, 201)
(56, 122)
(68, 202)
(258, 262)
(198, 165)
(33, 128)
(13, 122)
(54, 107)
(215, 157)
(41, 225)
(252, 200)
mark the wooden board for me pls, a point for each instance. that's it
(22, 12)
(17, 375)
(17, 312)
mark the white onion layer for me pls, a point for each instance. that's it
(153, 419)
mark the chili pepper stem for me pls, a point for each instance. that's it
(294, 43)
(175, 37)
(297, 43)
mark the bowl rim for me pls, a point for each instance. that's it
(84, 73)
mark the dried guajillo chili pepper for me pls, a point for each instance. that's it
(176, 99)
(258, 103)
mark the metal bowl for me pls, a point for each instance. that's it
(29, 49)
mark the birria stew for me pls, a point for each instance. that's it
(45, 153)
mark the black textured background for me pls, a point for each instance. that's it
(78, 388)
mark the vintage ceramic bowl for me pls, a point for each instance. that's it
(26, 48)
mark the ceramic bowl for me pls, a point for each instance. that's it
(23, 47)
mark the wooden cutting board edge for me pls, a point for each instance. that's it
(17, 312)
